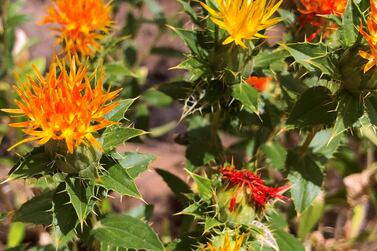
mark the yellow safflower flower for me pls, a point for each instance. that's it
(244, 19)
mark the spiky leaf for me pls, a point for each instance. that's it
(37, 210)
(247, 95)
(81, 195)
(134, 162)
(34, 164)
(127, 232)
(306, 178)
(116, 135)
(315, 106)
(118, 112)
(117, 179)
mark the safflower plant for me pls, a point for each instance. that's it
(265, 122)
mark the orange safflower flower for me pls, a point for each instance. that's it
(64, 106)
(371, 38)
(259, 83)
(227, 245)
(324, 7)
(312, 10)
(80, 24)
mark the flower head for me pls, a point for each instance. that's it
(324, 7)
(64, 106)
(252, 185)
(259, 83)
(227, 244)
(244, 19)
(311, 11)
(371, 38)
(80, 24)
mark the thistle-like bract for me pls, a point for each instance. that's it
(247, 182)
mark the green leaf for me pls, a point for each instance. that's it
(190, 38)
(306, 178)
(142, 212)
(64, 215)
(134, 162)
(266, 58)
(315, 106)
(287, 242)
(351, 20)
(2, 217)
(323, 143)
(118, 70)
(211, 223)
(314, 57)
(81, 194)
(358, 220)
(156, 98)
(264, 235)
(117, 114)
(116, 135)
(127, 232)
(165, 51)
(16, 234)
(37, 210)
(178, 186)
(204, 145)
(189, 10)
(204, 186)
(178, 90)
(193, 210)
(350, 109)
(130, 50)
(33, 165)
(247, 95)
(187, 241)
(371, 106)
(163, 129)
(16, 20)
(275, 153)
(117, 179)
(194, 66)
(369, 133)
(288, 16)
(310, 217)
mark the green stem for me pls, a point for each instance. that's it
(308, 140)
(215, 120)
(216, 36)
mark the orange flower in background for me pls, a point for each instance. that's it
(63, 106)
(371, 38)
(80, 24)
(259, 83)
(311, 11)
(227, 245)
(324, 7)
